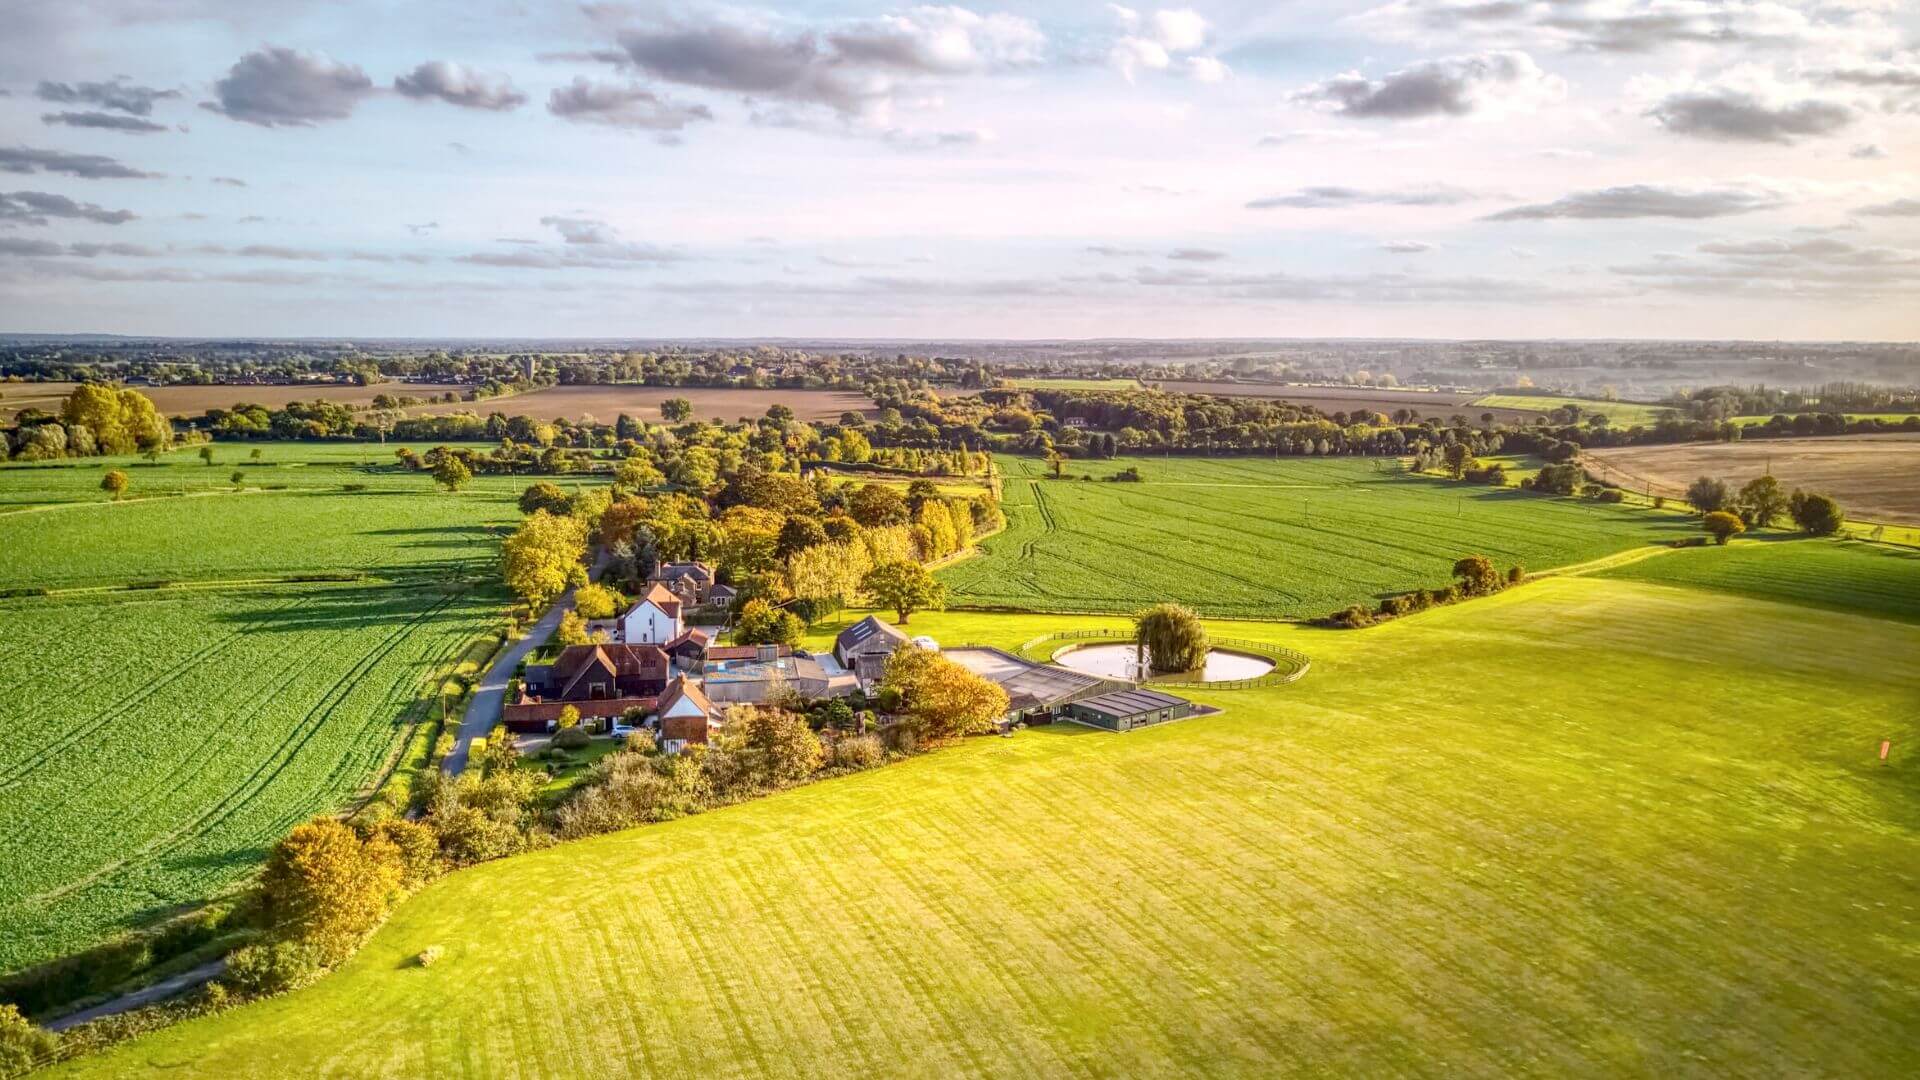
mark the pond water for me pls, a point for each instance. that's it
(1121, 661)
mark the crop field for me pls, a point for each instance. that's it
(605, 403)
(159, 738)
(1267, 538)
(194, 400)
(1448, 851)
(1624, 414)
(1875, 477)
(1332, 399)
(158, 743)
(1847, 575)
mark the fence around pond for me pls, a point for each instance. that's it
(1289, 665)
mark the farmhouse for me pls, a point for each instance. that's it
(602, 682)
(1125, 710)
(654, 619)
(864, 647)
(693, 582)
(686, 716)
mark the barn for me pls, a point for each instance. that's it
(1128, 709)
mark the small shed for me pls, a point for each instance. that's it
(1128, 709)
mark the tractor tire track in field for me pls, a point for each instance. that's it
(258, 780)
(18, 773)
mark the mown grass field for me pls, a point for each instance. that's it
(1450, 850)
(1267, 538)
(1851, 576)
(158, 740)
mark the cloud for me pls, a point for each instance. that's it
(117, 95)
(423, 228)
(1109, 251)
(1329, 197)
(577, 230)
(278, 87)
(228, 181)
(1867, 152)
(36, 207)
(1312, 136)
(934, 140)
(22, 159)
(130, 125)
(1189, 254)
(1451, 86)
(1628, 26)
(1170, 40)
(1896, 208)
(47, 248)
(1406, 247)
(10, 245)
(458, 85)
(1646, 200)
(627, 105)
(1727, 115)
(854, 69)
(1823, 266)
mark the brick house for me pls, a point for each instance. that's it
(601, 681)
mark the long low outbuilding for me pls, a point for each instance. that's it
(1125, 710)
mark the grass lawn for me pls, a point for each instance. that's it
(1269, 538)
(1461, 845)
(1846, 575)
(1618, 413)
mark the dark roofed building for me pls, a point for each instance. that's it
(600, 681)
(863, 648)
(1125, 710)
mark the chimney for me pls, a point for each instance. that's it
(766, 654)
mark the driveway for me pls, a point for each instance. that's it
(490, 696)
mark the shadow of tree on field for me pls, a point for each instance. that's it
(424, 602)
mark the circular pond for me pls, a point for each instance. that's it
(1121, 660)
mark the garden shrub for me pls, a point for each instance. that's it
(572, 738)
(274, 967)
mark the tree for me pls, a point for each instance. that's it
(1708, 495)
(324, 885)
(206, 455)
(546, 496)
(569, 718)
(782, 747)
(1723, 526)
(572, 629)
(596, 602)
(1170, 638)
(942, 699)
(451, 472)
(1816, 514)
(877, 506)
(1477, 575)
(1055, 462)
(23, 1047)
(114, 483)
(543, 555)
(1458, 460)
(237, 479)
(799, 534)
(1762, 502)
(760, 623)
(906, 587)
(676, 409)
(121, 421)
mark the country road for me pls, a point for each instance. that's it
(490, 696)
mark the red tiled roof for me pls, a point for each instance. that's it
(743, 652)
(681, 688)
(697, 637)
(542, 711)
(641, 661)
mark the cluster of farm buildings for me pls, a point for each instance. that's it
(649, 667)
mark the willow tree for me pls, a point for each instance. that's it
(1170, 638)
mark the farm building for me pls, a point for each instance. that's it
(1036, 693)
(865, 646)
(1125, 710)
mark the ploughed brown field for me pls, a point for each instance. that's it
(604, 403)
(1332, 399)
(1876, 477)
(194, 400)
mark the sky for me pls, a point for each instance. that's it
(1407, 168)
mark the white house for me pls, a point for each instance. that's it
(654, 619)
(686, 716)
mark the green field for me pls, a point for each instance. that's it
(1618, 413)
(1463, 845)
(158, 740)
(1077, 384)
(1848, 576)
(1266, 538)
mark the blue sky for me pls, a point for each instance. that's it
(1691, 168)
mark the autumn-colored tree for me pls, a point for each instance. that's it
(781, 746)
(1477, 575)
(906, 587)
(596, 602)
(572, 629)
(548, 496)
(23, 1047)
(1171, 637)
(569, 717)
(325, 885)
(941, 698)
(543, 555)
(121, 421)
(452, 472)
(114, 483)
(1723, 526)
(877, 506)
